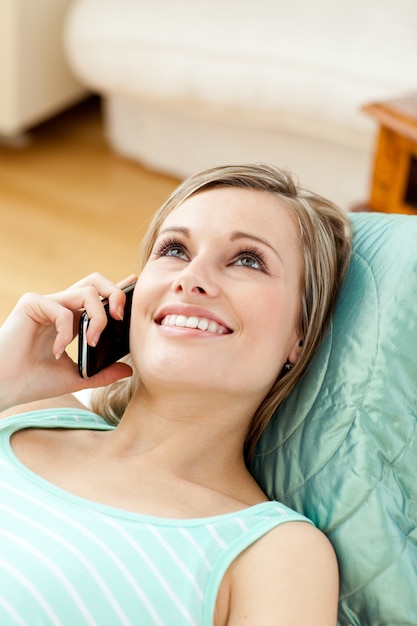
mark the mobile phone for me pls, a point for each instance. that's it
(113, 343)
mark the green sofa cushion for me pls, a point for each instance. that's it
(343, 448)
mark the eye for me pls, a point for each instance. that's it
(251, 258)
(170, 248)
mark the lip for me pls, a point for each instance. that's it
(190, 311)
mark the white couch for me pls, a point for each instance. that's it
(190, 85)
(35, 80)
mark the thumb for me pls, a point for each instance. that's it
(107, 376)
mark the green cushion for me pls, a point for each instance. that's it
(343, 448)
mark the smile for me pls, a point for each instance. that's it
(200, 323)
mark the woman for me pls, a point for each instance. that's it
(157, 520)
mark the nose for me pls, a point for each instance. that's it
(196, 279)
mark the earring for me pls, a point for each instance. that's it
(287, 367)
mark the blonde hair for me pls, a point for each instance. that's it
(325, 243)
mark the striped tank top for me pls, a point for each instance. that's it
(67, 561)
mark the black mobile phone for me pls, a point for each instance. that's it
(113, 343)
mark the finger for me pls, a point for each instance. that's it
(59, 309)
(45, 312)
(84, 298)
(115, 302)
(64, 324)
(117, 299)
(127, 281)
(97, 288)
(86, 292)
(103, 285)
(105, 377)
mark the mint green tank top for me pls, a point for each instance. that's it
(66, 561)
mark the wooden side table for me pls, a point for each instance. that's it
(394, 181)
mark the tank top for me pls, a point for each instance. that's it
(67, 561)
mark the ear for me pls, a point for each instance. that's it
(295, 350)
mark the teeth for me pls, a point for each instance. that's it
(193, 322)
(181, 321)
(212, 327)
(202, 323)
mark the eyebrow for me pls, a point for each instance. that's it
(242, 235)
(237, 234)
(174, 229)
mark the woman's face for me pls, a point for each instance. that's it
(216, 307)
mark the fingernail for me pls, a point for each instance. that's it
(120, 312)
(95, 340)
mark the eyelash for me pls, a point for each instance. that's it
(254, 253)
(166, 245)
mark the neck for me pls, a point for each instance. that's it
(186, 434)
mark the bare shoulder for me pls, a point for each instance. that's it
(67, 401)
(289, 576)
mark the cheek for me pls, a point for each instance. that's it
(148, 286)
(150, 292)
(140, 305)
(277, 326)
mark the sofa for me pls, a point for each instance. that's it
(35, 79)
(187, 86)
(343, 448)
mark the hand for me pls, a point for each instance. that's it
(33, 362)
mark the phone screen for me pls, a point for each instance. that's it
(113, 343)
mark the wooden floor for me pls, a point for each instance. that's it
(70, 206)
